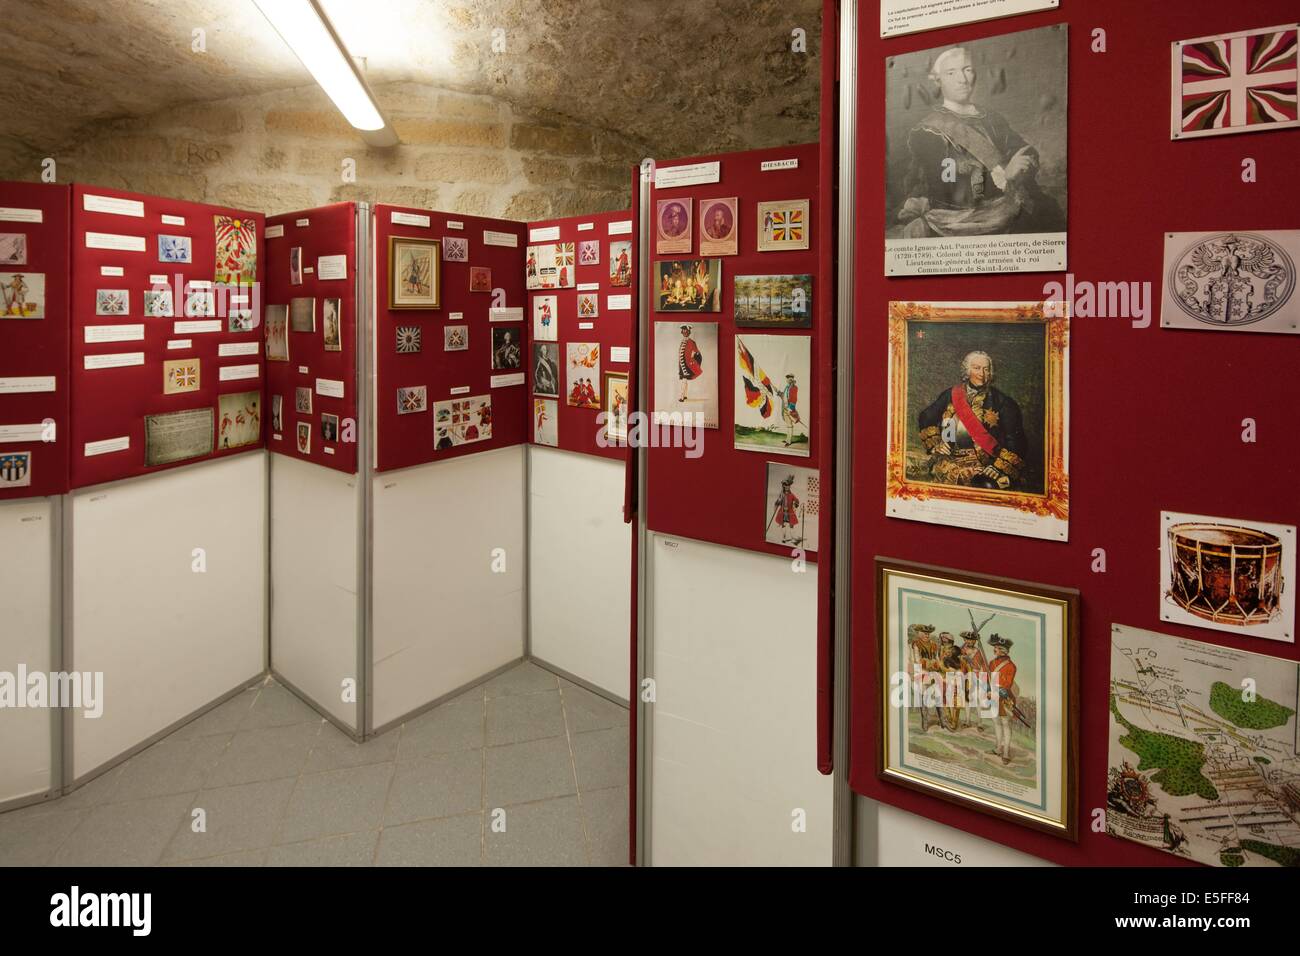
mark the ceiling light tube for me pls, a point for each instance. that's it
(303, 25)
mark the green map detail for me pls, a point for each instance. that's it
(1179, 761)
(1259, 714)
(1227, 858)
(1281, 855)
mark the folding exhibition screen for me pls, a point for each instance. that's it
(579, 541)
(728, 569)
(165, 525)
(314, 299)
(1156, 414)
(34, 223)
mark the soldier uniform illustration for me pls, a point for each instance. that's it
(925, 659)
(688, 362)
(988, 445)
(787, 512)
(950, 662)
(1003, 673)
(969, 173)
(973, 664)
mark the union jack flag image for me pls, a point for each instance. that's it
(1237, 83)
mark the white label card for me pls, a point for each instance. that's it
(32, 433)
(510, 314)
(158, 280)
(116, 207)
(621, 228)
(455, 316)
(13, 214)
(588, 286)
(108, 240)
(620, 353)
(409, 219)
(329, 387)
(274, 232)
(173, 220)
(586, 226)
(508, 239)
(332, 267)
(898, 17)
(461, 390)
(583, 326)
(773, 164)
(618, 303)
(545, 234)
(114, 333)
(193, 328)
(501, 381)
(26, 384)
(689, 175)
(302, 370)
(112, 271)
(327, 449)
(107, 445)
(302, 223)
(233, 373)
(174, 344)
(237, 348)
(114, 360)
(455, 224)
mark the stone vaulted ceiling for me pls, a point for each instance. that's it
(682, 77)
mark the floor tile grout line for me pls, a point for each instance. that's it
(297, 781)
(388, 794)
(577, 785)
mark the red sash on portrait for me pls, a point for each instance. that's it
(978, 432)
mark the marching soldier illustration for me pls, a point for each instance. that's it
(1003, 673)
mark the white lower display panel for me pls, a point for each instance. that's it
(734, 733)
(168, 593)
(448, 574)
(580, 567)
(315, 637)
(26, 594)
(905, 839)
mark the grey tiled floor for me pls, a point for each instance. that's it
(527, 769)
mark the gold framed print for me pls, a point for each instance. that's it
(414, 279)
(979, 691)
(979, 416)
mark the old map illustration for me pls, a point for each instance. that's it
(1204, 755)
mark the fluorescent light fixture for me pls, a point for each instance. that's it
(302, 24)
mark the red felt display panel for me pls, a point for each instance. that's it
(111, 403)
(38, 348)
(324, 231)
(577, 428)
(721, 496)
(1155, 415)
(405, 440)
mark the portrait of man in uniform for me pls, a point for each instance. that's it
(977, 150)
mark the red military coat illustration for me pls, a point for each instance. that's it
(689, 359)
(787, 509)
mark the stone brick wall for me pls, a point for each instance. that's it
(279, 152)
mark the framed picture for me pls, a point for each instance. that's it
(773, 302)
(302, 400)
(546, 369)
(22, 295)
(414, 280)
(455, 338)
(686, 374)
(1234, 82)
(304, 438)
(979, 416)
(302, 314)
(620, 264)
(688, 285)
(112, 301)
(616, 405)
(412, 399)
(174, 249)
(295, 265)
(480, 279)
(455, 249)
(332, 312)
(507, 352)
(673, 225)
(979, 692)
(1228, 574)
(793, 497)
(783, 225)
(329, 428)
(583, 364)
(545, 431)
(770, 414)
(277, 333)
(409, 339)
(588, 252)
(588, 305)
(718, 227)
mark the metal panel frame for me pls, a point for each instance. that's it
(644, 580)
(842, 806)
(365, 384)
